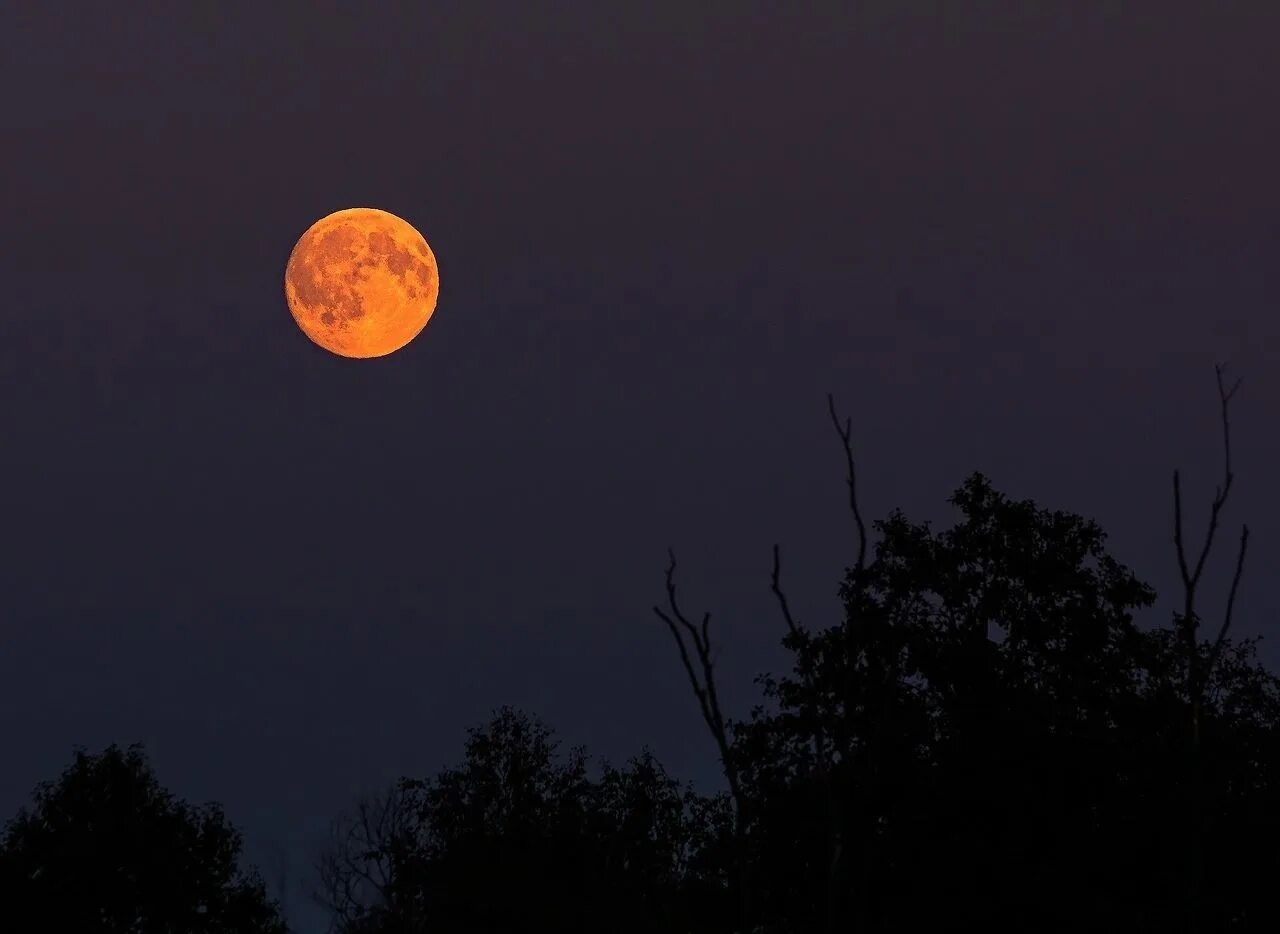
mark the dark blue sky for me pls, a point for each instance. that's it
(1011, 238)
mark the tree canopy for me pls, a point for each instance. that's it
(989, 738)
(518, 837)
(107, 849)
(985, 740)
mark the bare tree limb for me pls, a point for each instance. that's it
(775, 578)
(1198, 677)
(704, 690)
(1191, 577)
(845, 431)
(840, 798)
(693, 642)
(1231, 601)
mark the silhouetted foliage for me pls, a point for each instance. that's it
(515, 839)
(358, 869)
(983, 740)
(987, 741)
(1015, 742)
(106, 849)
(976, 682)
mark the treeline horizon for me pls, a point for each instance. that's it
(984, 740)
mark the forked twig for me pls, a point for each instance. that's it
(709, 703)
(705, 689)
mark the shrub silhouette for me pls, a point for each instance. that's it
(106, 849)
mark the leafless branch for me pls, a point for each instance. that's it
(840, 798)
(704, 688)
(1231, 602)
(782, 597)
(1191, 577)
(845, 431)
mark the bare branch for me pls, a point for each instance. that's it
(709, 704)
(1225, 398)
(1191, 577)
(1177, 531)
(705, 689)
(845, 432)
(1197, 679)
(782, 597)
(1231, 601)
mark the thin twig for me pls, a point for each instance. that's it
(1191, 578)
(845, 431)
(1231, 601)
(704, 690)
(782, 597)
(841, 799)
(709, 704)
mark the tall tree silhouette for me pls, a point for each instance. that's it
(987, 739)
(107, 849)
(830, 748)
(1012, 734)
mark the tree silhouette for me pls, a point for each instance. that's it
(703, 683)
(984, 739)
(1015, 741)
(358, 871)
(829, 783)
(106, 849)
(517, 838)
(988, 740)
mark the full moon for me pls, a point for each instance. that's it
(361, 282)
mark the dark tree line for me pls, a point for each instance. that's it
(107, 849)
(983, 740)
(519, 837)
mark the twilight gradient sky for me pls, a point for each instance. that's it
(1011, 237)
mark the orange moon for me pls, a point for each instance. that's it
(361, 282)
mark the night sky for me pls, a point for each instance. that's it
(1009, 237)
